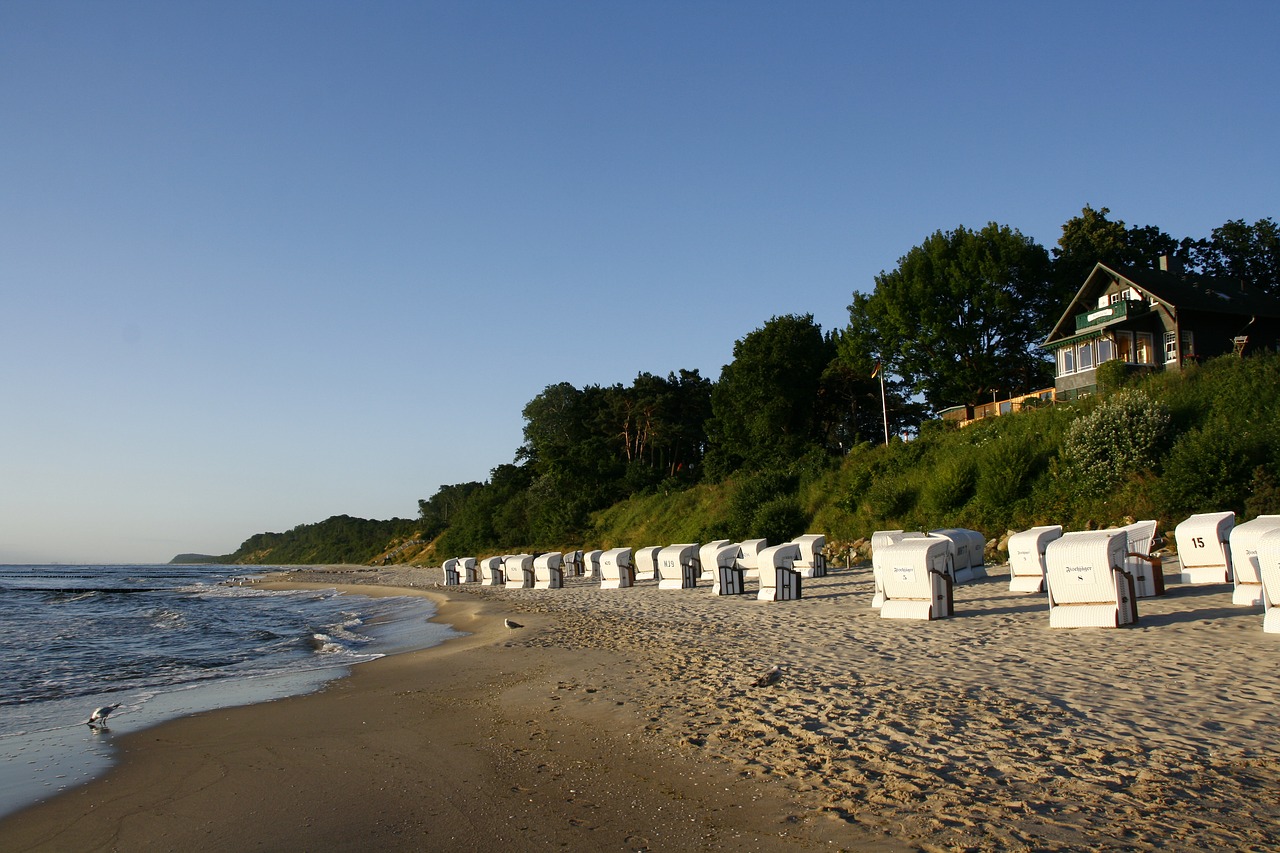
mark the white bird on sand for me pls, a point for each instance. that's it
(98, 719)
(511, 624)
(769, 676)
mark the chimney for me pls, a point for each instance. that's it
(1168, 263)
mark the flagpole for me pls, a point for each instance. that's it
(884, 409)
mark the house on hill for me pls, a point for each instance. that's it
(1157, 318)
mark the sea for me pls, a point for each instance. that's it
(165, 641)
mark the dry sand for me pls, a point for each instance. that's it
(626, 719)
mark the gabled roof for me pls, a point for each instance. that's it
(1173, 290)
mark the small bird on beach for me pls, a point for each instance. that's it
(769, 676)
(98, 719)
(511, 624)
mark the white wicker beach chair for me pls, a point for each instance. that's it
(518, 570)
(468, 571)
(1087, 581)
(917, 579)
(1147, 569)
(706, 555)
(591, 563)
(678, 567)
(1203, 547)
(1269, 572)
(778, 580)
(881, 540)
(616, 571)
(722, 562)
(1026, 557)
(748, 557)
(450, 571)
(1243, 543)
(969, 557)
(571, 564)
(812, 563)
(646, 562)
(548, 571)
(491, 571)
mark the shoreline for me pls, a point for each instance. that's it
(625, 719)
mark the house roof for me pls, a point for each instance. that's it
(1173, 290)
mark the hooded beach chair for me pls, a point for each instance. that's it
(571, 564)
(812, 563)
(1243, 543)
(1147, 569)
(450, 571)
(468, 572)
(1203, 547)
(721, 560)
(969, 557)
(678, 567)
(616, 571)
(518, 570)
(548, 571)
(881, 540)
(706, 556)
(491, 571)
(646, 562)
(748, 557)
(917, 579)
(1269, 572)
(778, 580)
(1088, 584)
(591, 563)
(1026, 557)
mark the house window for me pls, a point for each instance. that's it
(1170, 347)
(1086, 355)
(1124, 346)
(1146, 348)
(1066, 361)
(1106, 350)
(1188, 344)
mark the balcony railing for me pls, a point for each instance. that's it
(1112, 313)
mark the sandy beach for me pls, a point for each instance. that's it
(627, 720)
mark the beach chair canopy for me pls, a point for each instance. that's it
(812, 562)
(548, 571)
(615, 568)
(1146, 568)
(1026, 557)
(778, 580)
(518, 570)
(678, 567)
(646, 562)
(1269, 572)
(1088, 584)
(1243, 543)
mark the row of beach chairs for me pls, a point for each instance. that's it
(727, 564)
(1091, 578)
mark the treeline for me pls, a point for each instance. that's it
(789, 435)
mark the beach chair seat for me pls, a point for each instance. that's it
(468, 571)
(645, 561)
(812, 563)
(778, 580)
(616, 570)
(1087, 582)
(491, 571)
(678, 567)
(450, 572)
(1147, 569)
(1269, 573)
(748, 556)
(1026, 557)
(518, 570)
(1243, 543)
(917, 580)
(706, 556)
(591, 563)
(722, 562)
(1203, 547)
(548, 571)
(969, 553)
(571, 564)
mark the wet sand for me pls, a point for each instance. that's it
(627, 720)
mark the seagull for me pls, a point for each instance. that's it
(769, 676)
(511, 624)
(98, 719)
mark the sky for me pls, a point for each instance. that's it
(262, 263)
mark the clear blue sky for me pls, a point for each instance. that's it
(266, 262)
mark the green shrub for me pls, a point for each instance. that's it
(950, 487)
(1123, 434)
(779, 520)
(1112, 375)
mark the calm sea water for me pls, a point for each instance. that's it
(164, 641)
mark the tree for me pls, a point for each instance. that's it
(1242, 252)
(962, 316)
(764, 409)
(1092, 238)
